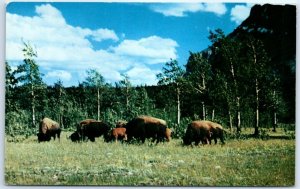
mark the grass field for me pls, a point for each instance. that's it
(251, 162)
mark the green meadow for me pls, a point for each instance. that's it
(244, 162)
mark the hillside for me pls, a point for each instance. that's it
(275, 26)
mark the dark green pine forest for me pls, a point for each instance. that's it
(242, 80)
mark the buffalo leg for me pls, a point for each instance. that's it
(58, 136)
(222, 137)
(92, 139)
(143, 139)
(216, 140)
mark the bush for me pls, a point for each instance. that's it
(19, 123)
(179, 130)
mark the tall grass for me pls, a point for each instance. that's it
(251, 162)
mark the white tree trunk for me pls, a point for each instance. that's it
(203, 111)
(178, 105)
(256, 131)
(33, 107)
(230, 120)
(98, 104)
(213, 115)
(238, 115)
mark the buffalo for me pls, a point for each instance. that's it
(203, 131)
(75, 137)
(118, 133)
(47, 129)
(143, 127)
(90, 129)
(84, 122)
(168, 134)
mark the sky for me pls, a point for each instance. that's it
(133, 39)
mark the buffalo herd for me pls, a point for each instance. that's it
(138, 129)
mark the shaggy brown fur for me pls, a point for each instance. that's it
(82, 123)
(118, 133)
(203, 131)
(149, 119)
(143, 127)
(91, 129)
(87, 121)
(168, 134)
(47, 129)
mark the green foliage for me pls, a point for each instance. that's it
(173, 76)
(17, 123)
(29, 77)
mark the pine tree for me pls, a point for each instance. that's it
(31, 78)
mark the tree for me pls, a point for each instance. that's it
(199, 75)
(126, 94)
(96, 80)
(172, 75)
(10, 83)
(226, 60)
(143, 103)
(257, 61)
(275, 96)
(31, 78)
(10, 98)
(60, 100)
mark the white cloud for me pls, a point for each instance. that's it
(59, 74)
(240, 12)
(51, 15)
(50, 33)
(217, 8)
(64, 49)
(181, 9)
(152, 49)
(102, 34)
(148, 75)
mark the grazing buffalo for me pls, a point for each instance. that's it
(81, 126)
(75, 137)
(90, 129)
(118, 133)
(216, 132)
(143, 127)
(47, 129)
(203, 131)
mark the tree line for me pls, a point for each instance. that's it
(232, 82)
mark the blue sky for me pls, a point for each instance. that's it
(135, 39)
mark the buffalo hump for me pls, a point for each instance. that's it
(47, 129)
(48, 124)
